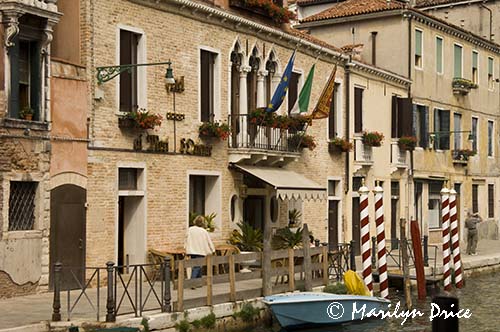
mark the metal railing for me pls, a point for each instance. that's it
(141, 290)
(247, 135)
(339, 261)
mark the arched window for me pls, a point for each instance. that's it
(271, 67)
(254, 63)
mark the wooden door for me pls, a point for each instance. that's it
(394, 223)
(356, 226)
(333, 224)
(67, 234)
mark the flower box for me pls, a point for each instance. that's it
(462, 86)
(462, 155)
(407, 143)
(214, 130)
(126, 123)
(140, 119)
(339, 145)
(372, 138)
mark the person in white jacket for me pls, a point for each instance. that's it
(198, 244)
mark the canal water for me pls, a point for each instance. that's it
(481, 296)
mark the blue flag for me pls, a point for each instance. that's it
(280, 93)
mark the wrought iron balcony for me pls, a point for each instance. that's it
(261, 143)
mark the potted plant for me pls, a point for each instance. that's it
(285, 238)
(214, 130)
(248, 240)
(140, 118)
(462, 85)
(298, 123)
(210, 222)
(372, 138)
(407, 143)
(294, 218)
(301, 140)
(463, 154)
(26, 113)
(339, 144)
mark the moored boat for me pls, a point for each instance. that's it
(297, 310)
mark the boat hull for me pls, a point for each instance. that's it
(318, 309)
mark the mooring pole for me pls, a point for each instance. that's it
(448, 303)
(405, 263)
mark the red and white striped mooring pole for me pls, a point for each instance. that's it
(455, 241)
(382, 259)
(365, 237)
(445, 213)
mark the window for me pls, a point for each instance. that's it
(418, 48)
(254, 63)
(128, 79)
(435, 204)
(394, 188)
(271, 67)
(439, 55)
(127, 178)
(421, 125)
(356, 183)
(491, 201)
(401, 117)
(197, 194)
(457, 126)
(293, 90)
(474, 133)
(490, 138)
(457, 61)
(475, 207)
(442, 129)
(475, 61)
(490, 73)
(22, 205)
(333, 188)
(207, 92)
(333, 126)
(358, 110)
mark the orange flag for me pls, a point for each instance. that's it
(322, 109)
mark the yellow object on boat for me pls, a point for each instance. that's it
(354, 284)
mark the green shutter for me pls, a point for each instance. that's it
(457, 72)
(36, 80)
(474, 59)
(490, 66)
(418, 42)
(14, 79)
(439, 55)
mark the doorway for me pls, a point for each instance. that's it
(254, 211)
(333, 224)
(356, 227)
(67, 234)
(131, 231)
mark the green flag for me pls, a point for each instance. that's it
(302, 104)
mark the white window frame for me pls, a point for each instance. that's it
(217, 81)
(421, 67)
(442, 55)
(142, 83)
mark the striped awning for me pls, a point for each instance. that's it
(289, 185)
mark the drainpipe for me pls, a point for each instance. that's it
(347, 121)
(491, 20)
(409, 52)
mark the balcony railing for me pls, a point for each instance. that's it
(362, 153)
(398, 155)
(247, 135)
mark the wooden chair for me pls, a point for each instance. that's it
(157, 257)
(279, 263)
(225, 250)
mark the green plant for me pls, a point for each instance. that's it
(192, 217)
(208, 321)
(26, 112)
(247, 313)
(337, 288)
(407, 142)
(294, 217)
(210, 222)
(341, 143)
(459, 82)
(372, 138)
(214, 129)
(183, 326)
(279, 14)
(247, 238)
(463, 154)
(285, 238)
(302, 140)
(145, 324)
(144, 119)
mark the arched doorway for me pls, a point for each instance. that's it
(67, 234)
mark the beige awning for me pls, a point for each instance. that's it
(288, 184)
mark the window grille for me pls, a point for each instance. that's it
(22, 205)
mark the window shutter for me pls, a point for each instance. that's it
(205, 86)
(415, 120)
(491, 201)
(405, 117)
(457, 72)
(425, 128)
(439, 55)
(418, 42)
(14, 79)
(475, 205)
(35, 83)
(125, 77)
(358, 110)
(490, 66)
(437, 128)
(445, 127)
(474, 59)
(394, 116)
